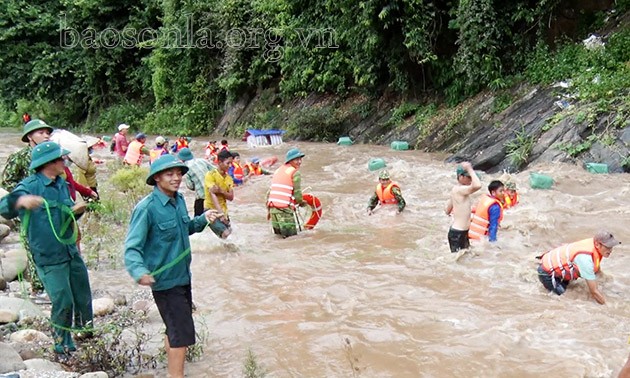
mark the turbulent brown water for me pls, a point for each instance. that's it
(382, 296)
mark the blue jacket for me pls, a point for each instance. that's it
(158, 234)
(494, 214)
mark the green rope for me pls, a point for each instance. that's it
(64, 227)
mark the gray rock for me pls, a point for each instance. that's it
(141, 305)
(20, 287)
(95, 374)
(103, 306)
(10, 360)
(23, 307)
(40, 364)
(27, 354)
(4, 231)
(29, 336)
(8, 316)
(625, 136)
(120, 300)
(13, 263)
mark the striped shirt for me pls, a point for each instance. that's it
(196, 174)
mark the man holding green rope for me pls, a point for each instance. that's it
(43, 203)
(157, 254)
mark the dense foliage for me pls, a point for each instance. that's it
(173, 64)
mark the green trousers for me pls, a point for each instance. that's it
(283, 222)
(68, 287)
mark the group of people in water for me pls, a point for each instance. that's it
(157, 246)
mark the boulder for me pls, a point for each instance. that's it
(4, 231)
(20, 287)
(3, 283)
(120, 300)
(141, 305)
(8, 316)
(13, 263)
(10, 360)
(40, 364)
(103, 306)
(30, 336)
(20, 306)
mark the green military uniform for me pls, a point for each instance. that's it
(61, 268)
(397, 194)
(15, 171)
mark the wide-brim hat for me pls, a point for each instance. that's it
(45, 153)
(33, 125)
(293, 154)
(163, 163)
(185, 154)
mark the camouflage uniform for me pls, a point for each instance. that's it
(283, 221)
(16, 170)
(397, 194)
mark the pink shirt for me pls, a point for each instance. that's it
(121, 141)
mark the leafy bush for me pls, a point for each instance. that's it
(519, 148)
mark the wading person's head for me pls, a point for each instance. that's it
(36, 132)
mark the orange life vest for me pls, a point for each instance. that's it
(560, 260)
(181, 144)
(238, 171)
(155, 153)
(480, 217)
(385, 195)
(281, 193)
(256, 171)
(134, 153)
(510, 200)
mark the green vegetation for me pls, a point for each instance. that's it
(86, 64)
(519, 148)
(251, 367)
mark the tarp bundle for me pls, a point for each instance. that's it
(77, 146)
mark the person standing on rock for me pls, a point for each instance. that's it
(17, 169)
(43, 203)
(459, 205)
(285, 195)
(157, 254)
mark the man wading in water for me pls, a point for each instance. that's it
(459, 206)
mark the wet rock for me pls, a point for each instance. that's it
(39, 364)
(3, 284)
(23, 307)
(29, 336)
(120, 300)
(103, 306)
(13, 263)
(95, 374)
(8, 316)
(4, 231)
(10, 360)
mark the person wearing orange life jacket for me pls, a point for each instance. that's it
(181, 142)
(488, 214)
(211, 150)
(387, 193)
(285, 194)
(254, 168)
(510, 195)
(569, 262)
(136, 150)
(159, 150)
(224, 145)
(236, 170)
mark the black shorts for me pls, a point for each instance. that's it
(199, 206)
(458, 239)
(175, 306)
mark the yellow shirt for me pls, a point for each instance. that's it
(214, 177)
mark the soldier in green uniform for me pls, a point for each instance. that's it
(43, 203)
(17, 169)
